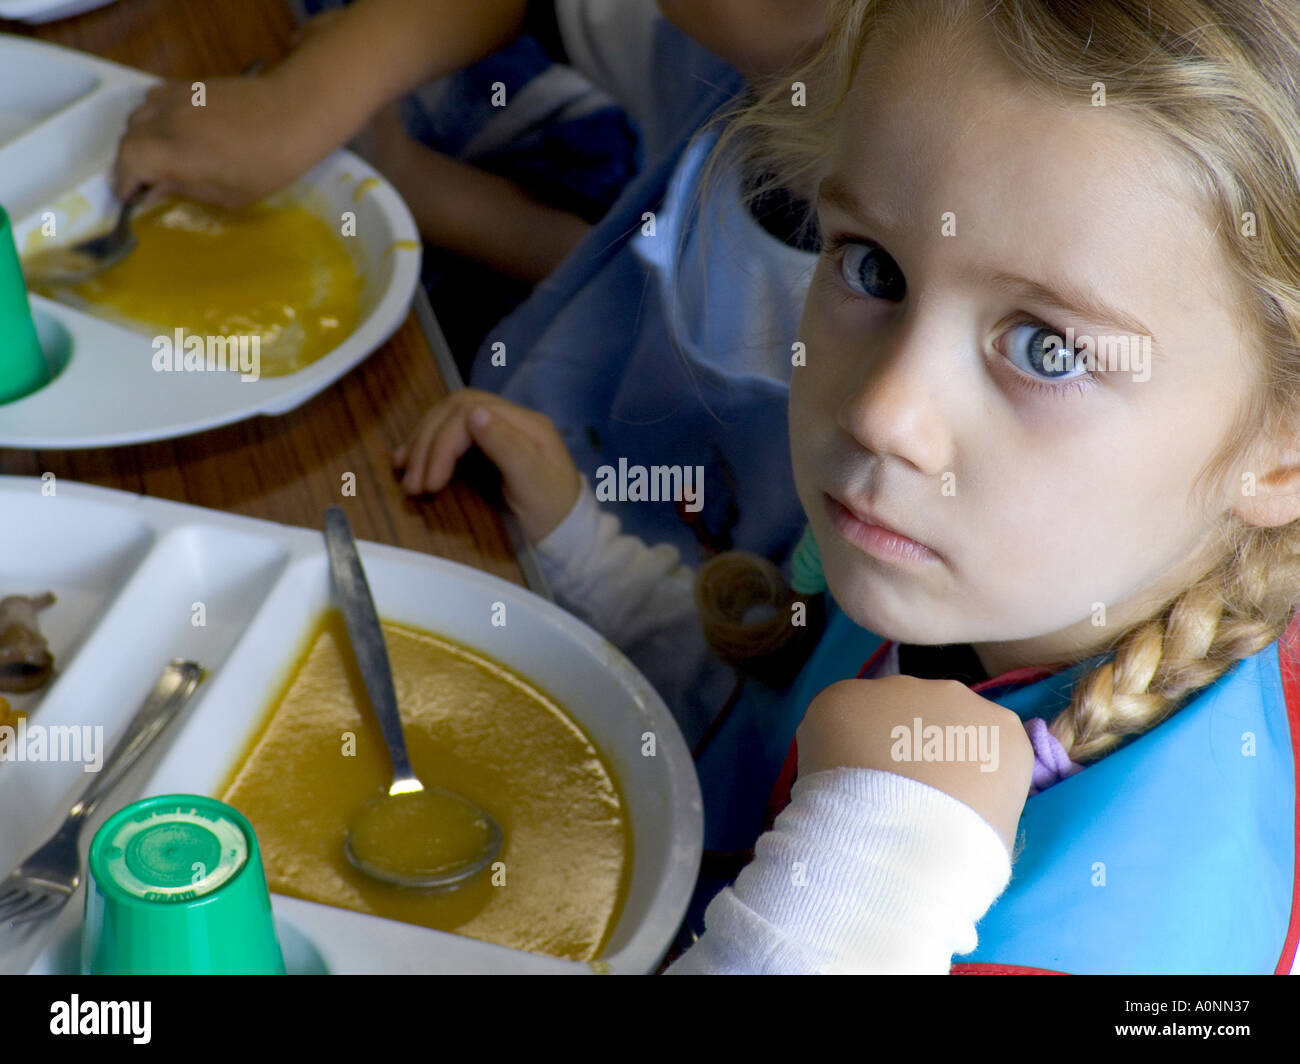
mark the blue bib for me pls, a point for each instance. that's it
(1175, 854)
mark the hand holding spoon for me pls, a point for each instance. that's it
(415, 836)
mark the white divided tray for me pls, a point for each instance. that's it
(62, 114)
(128, 570)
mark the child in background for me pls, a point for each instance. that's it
(617, 346)
(1102, 548)
(665, 338)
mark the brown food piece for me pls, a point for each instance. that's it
(25, 659)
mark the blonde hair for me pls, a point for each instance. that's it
(1219, 80)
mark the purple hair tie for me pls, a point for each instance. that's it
(1051, 763)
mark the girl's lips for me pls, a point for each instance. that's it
(876, 540)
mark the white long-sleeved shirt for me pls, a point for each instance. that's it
(642, 599)
(865, 871)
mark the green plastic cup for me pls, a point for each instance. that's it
(23, 367)
(176, 887)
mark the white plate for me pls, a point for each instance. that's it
(61, 116)
(129, 570)
(37, 11)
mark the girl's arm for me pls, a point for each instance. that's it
(642, 599)
(469, 211)
(865, 872)
(882, 862)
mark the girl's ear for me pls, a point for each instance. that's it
(1270, 493)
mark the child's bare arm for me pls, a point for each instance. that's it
(469, 211)
(253, 136)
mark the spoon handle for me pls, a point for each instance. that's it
(367, 640)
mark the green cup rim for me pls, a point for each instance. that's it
(111, 889)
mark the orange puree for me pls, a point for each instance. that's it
(278, 272)
(473, 727)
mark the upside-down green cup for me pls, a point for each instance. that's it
(176, 887)
(23, 368)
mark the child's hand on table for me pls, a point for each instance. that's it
(540, 482)
(849, 724)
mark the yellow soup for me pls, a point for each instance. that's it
(473, 727)
(275, 272)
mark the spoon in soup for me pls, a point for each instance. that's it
(415, 835)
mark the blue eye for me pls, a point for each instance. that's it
(871, 272)
(1040, 351)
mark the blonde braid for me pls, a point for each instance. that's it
(1232, 613)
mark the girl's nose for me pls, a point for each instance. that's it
(898, 409)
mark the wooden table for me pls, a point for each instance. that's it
(288, 468)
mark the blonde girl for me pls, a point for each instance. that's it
(1004, 190)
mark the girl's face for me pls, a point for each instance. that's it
(965, 223)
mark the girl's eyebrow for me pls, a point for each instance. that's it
(1070, 298)
(839, 195)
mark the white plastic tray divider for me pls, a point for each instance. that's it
(148, 624)
(63, 151)
(83, 549)
(59, 150)
(28, 100)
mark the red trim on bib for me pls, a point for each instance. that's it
(1288, 656)
(877, 656)
(1029, 674)
(986, 968)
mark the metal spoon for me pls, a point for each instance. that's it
(81, 262)
(408, 799)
